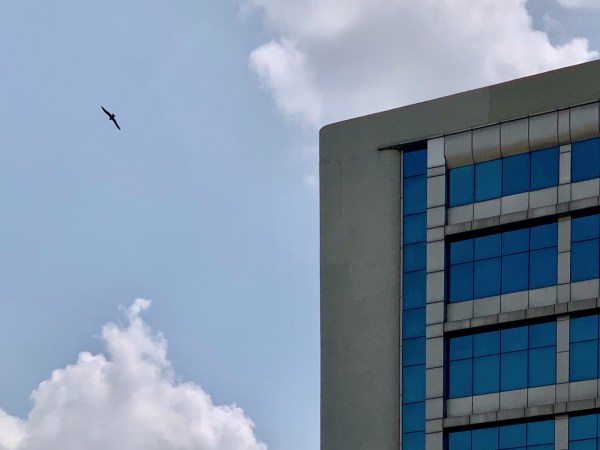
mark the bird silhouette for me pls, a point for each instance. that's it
(111, 116)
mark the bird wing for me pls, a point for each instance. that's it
(104, 109)
(115, 121)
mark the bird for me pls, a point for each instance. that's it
(111, 116)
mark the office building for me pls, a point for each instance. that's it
(460, 258)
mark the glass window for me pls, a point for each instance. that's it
(585, 258)
(460, 440)
(415, 256)
(583, 328)
(513, 436)
(486, 343)
(487, 278)
(462, 184)
(515, 174)
(414, 441)
(544, 168)
(542, 335)
(583, 360)
(413, 289)
(582, 427)
(461, 282)
(413, 352)
(513, 373)
(488, 180)
(488, 246)
(460, 378)
(413, 384)
(584, 228)
(585, 160)
(515, 273)
(413, 417)
(514, 339)
(544, 236)
(485, 438)
(415, 195)
(542, 366)
(540, 432)
(415, 228)
(461, 348)
(542, 268)
(415, 163)
(516, 241)
(413, 323)
(461, 251)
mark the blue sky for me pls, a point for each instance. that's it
(207, 202)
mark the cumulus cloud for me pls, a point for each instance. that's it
(575, 4)
(126, 400)
(333, 59)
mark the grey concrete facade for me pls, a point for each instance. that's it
(361, 241)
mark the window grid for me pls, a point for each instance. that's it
(502, 360)
(584, 432)
(526, 172)
(585, 160)
(414, 256)
(521, 436)
(503, 263)
(585, 247)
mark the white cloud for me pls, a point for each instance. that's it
(127, 400)
(335, 59)
(575, 4)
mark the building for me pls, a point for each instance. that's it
(460, 247)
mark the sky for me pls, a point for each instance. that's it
(160, 284)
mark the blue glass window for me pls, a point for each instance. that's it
(413, 384)
(521, 436)
(415, 228)
(515, 174)
(583, 432)
(462, 183)
(415, 256)
(585, 260)
(514, 358)
(413, 417)
(413, 323)
(585, 228)
(413, 289)
(414, 441)
(488, 180)
(415, 195)
(506, 262)
(413, 352)
(544, 168)
(585, 160)
(583, 348)
(415, 163)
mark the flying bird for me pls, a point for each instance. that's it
(111, 116)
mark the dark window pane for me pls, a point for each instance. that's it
(540, 432)
(413, 352)
(544, 168)
(413, 323)
(516, 241)
(542, 335)
(486, 343)
(514, 371)
(413, 384)
(583, 361)
(414, 441)
(488, 246)
(542, 268)
(542, 366)
(544, 236)
(515, 174)
(415, 195)
(415, 257)
(462, 185)
(585, 160)
(487, 278)
(584, 260)
(587, 444)
(488, 180)
(515, 273)
(460, 378)
(582, 427)
(461, 347)
(584, 228)
(415, 228)
(460, 440)
(461, 282)
(415, 163)
(583, 328)
(512, 436)
(485, 439)
(413, 289)
(514, 339)
(413, 417)
(461, 251)
(486, 375)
